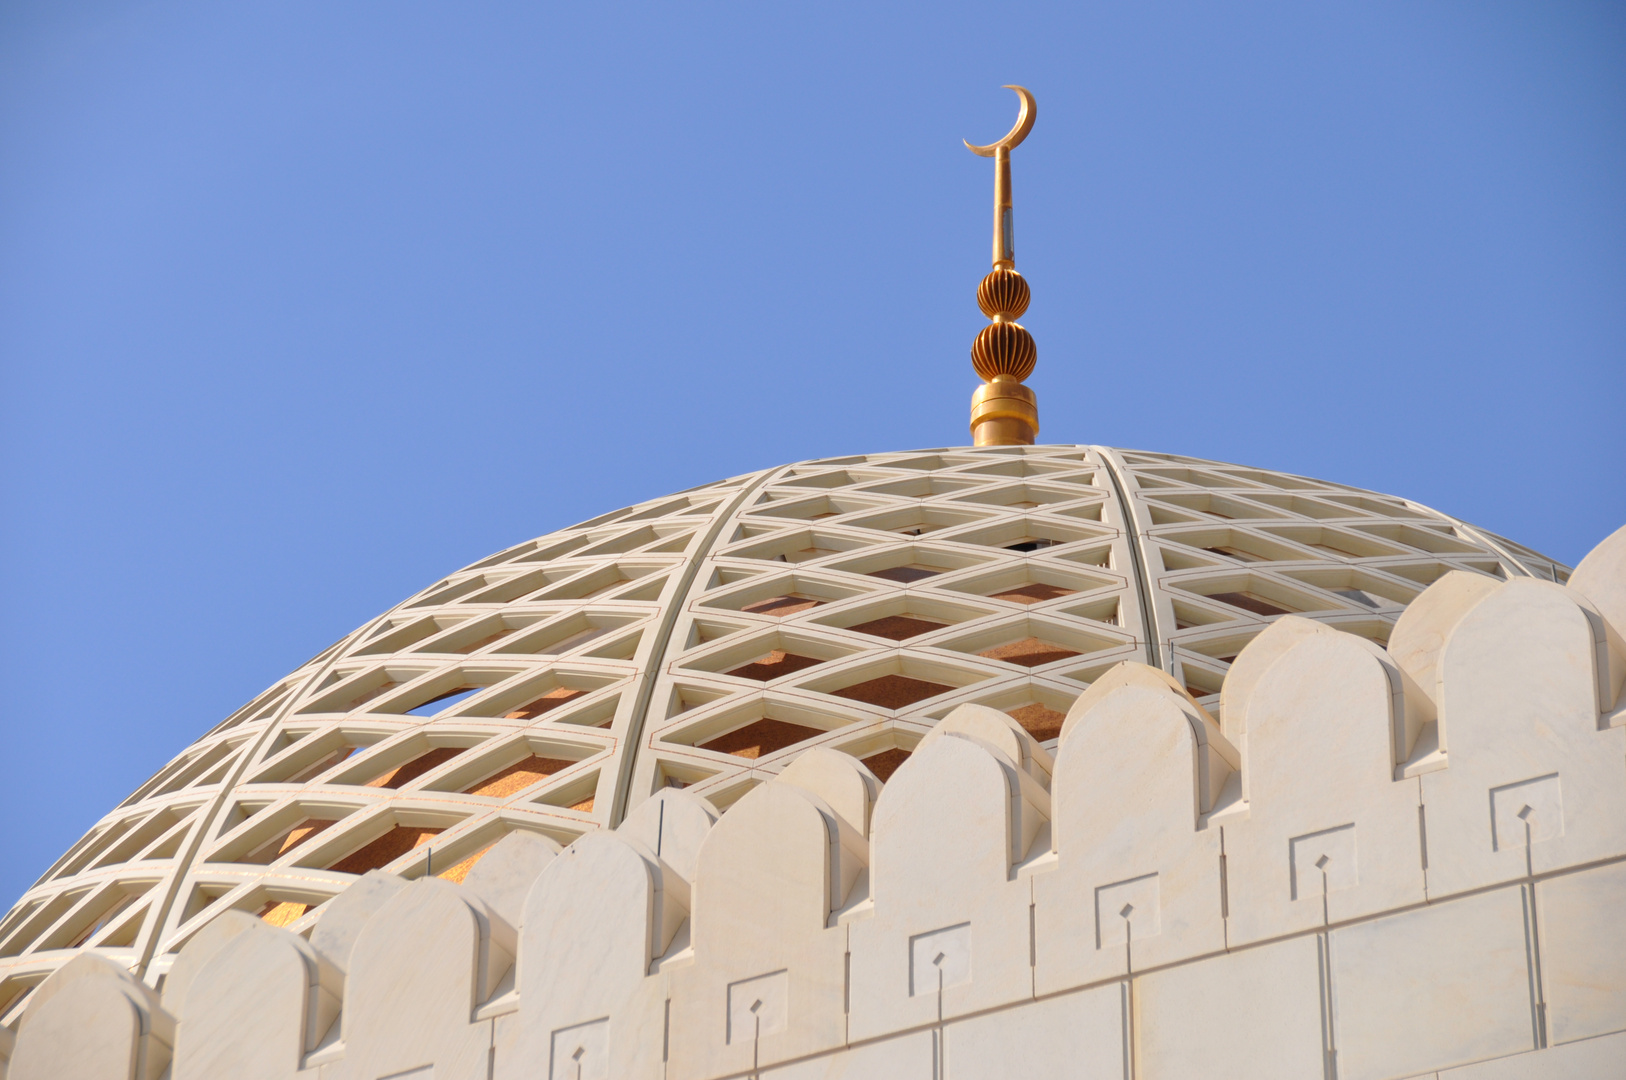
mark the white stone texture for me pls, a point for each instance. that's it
(946, 832)
(422, 964)
(92, 1021)
(1329, 834)
(258, 1004)
(673, 824)
(595, 920)
(1518, 694)
(1136, 883)
(1601, 580)
(1079, 1036)
(905, 1057)
(1097, 555)
(198, 952)
(505, 874)
(770, 873)
(1256, 1014)
(1435, 987)
(1217, 759)
(950, 604)
(581, 1052)
(1250, 666)
(998, 729)
(1583, 952)
(343, 918)
(1421, 631)
(1592, 1059)
(845, 785)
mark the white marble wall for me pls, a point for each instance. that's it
(1373, 863)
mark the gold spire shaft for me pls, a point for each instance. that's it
(1003, 411)
(1004, 226)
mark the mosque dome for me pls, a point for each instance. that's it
(706, 640)
(997, 760)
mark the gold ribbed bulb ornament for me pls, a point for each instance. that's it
(1003, 411)
(1003, 347)
(1003, 294)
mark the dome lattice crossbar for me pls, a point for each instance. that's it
(705, 641)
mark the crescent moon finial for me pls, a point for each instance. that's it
(1003, 411)
(1024, 124)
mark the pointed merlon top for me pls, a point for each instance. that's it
(1003, 411)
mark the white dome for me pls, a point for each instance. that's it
(705, 640)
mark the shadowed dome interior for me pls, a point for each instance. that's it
(708, 638)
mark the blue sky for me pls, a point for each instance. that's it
(304, 305)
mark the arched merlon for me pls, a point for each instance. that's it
(1416, 856)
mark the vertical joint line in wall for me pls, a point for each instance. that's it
(663, 636)
(1321, 864)
(1033, 943)
(1329, 1040)
(1131, 1031)
(939, 1049)
(1033, 936)
(1422, 836)
(1143, 585)
(666, 1034)
(847, 981)
(1225, 893)
(1532, 937)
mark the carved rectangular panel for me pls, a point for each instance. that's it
(939, 959)
(758, 1006)
(581, 1052)
(1322, 860)
(1126, 907)
(1536, 806)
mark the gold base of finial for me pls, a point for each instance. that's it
(1004, 413)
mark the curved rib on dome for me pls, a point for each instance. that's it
(708, 638)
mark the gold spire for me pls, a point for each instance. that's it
(1003, 411)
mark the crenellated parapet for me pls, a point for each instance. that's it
(710, 639)
(1368, 861)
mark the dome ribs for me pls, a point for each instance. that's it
(606, 660)
(1162, 852)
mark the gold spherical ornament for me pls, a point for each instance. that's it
(1004, 348)
(1003, 411)
(1003, 292)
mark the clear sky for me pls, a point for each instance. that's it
(303, 305)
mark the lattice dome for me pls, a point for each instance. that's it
(705, 640)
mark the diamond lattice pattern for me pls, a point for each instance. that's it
(708, 638)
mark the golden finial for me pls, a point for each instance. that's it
(1003, 411)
